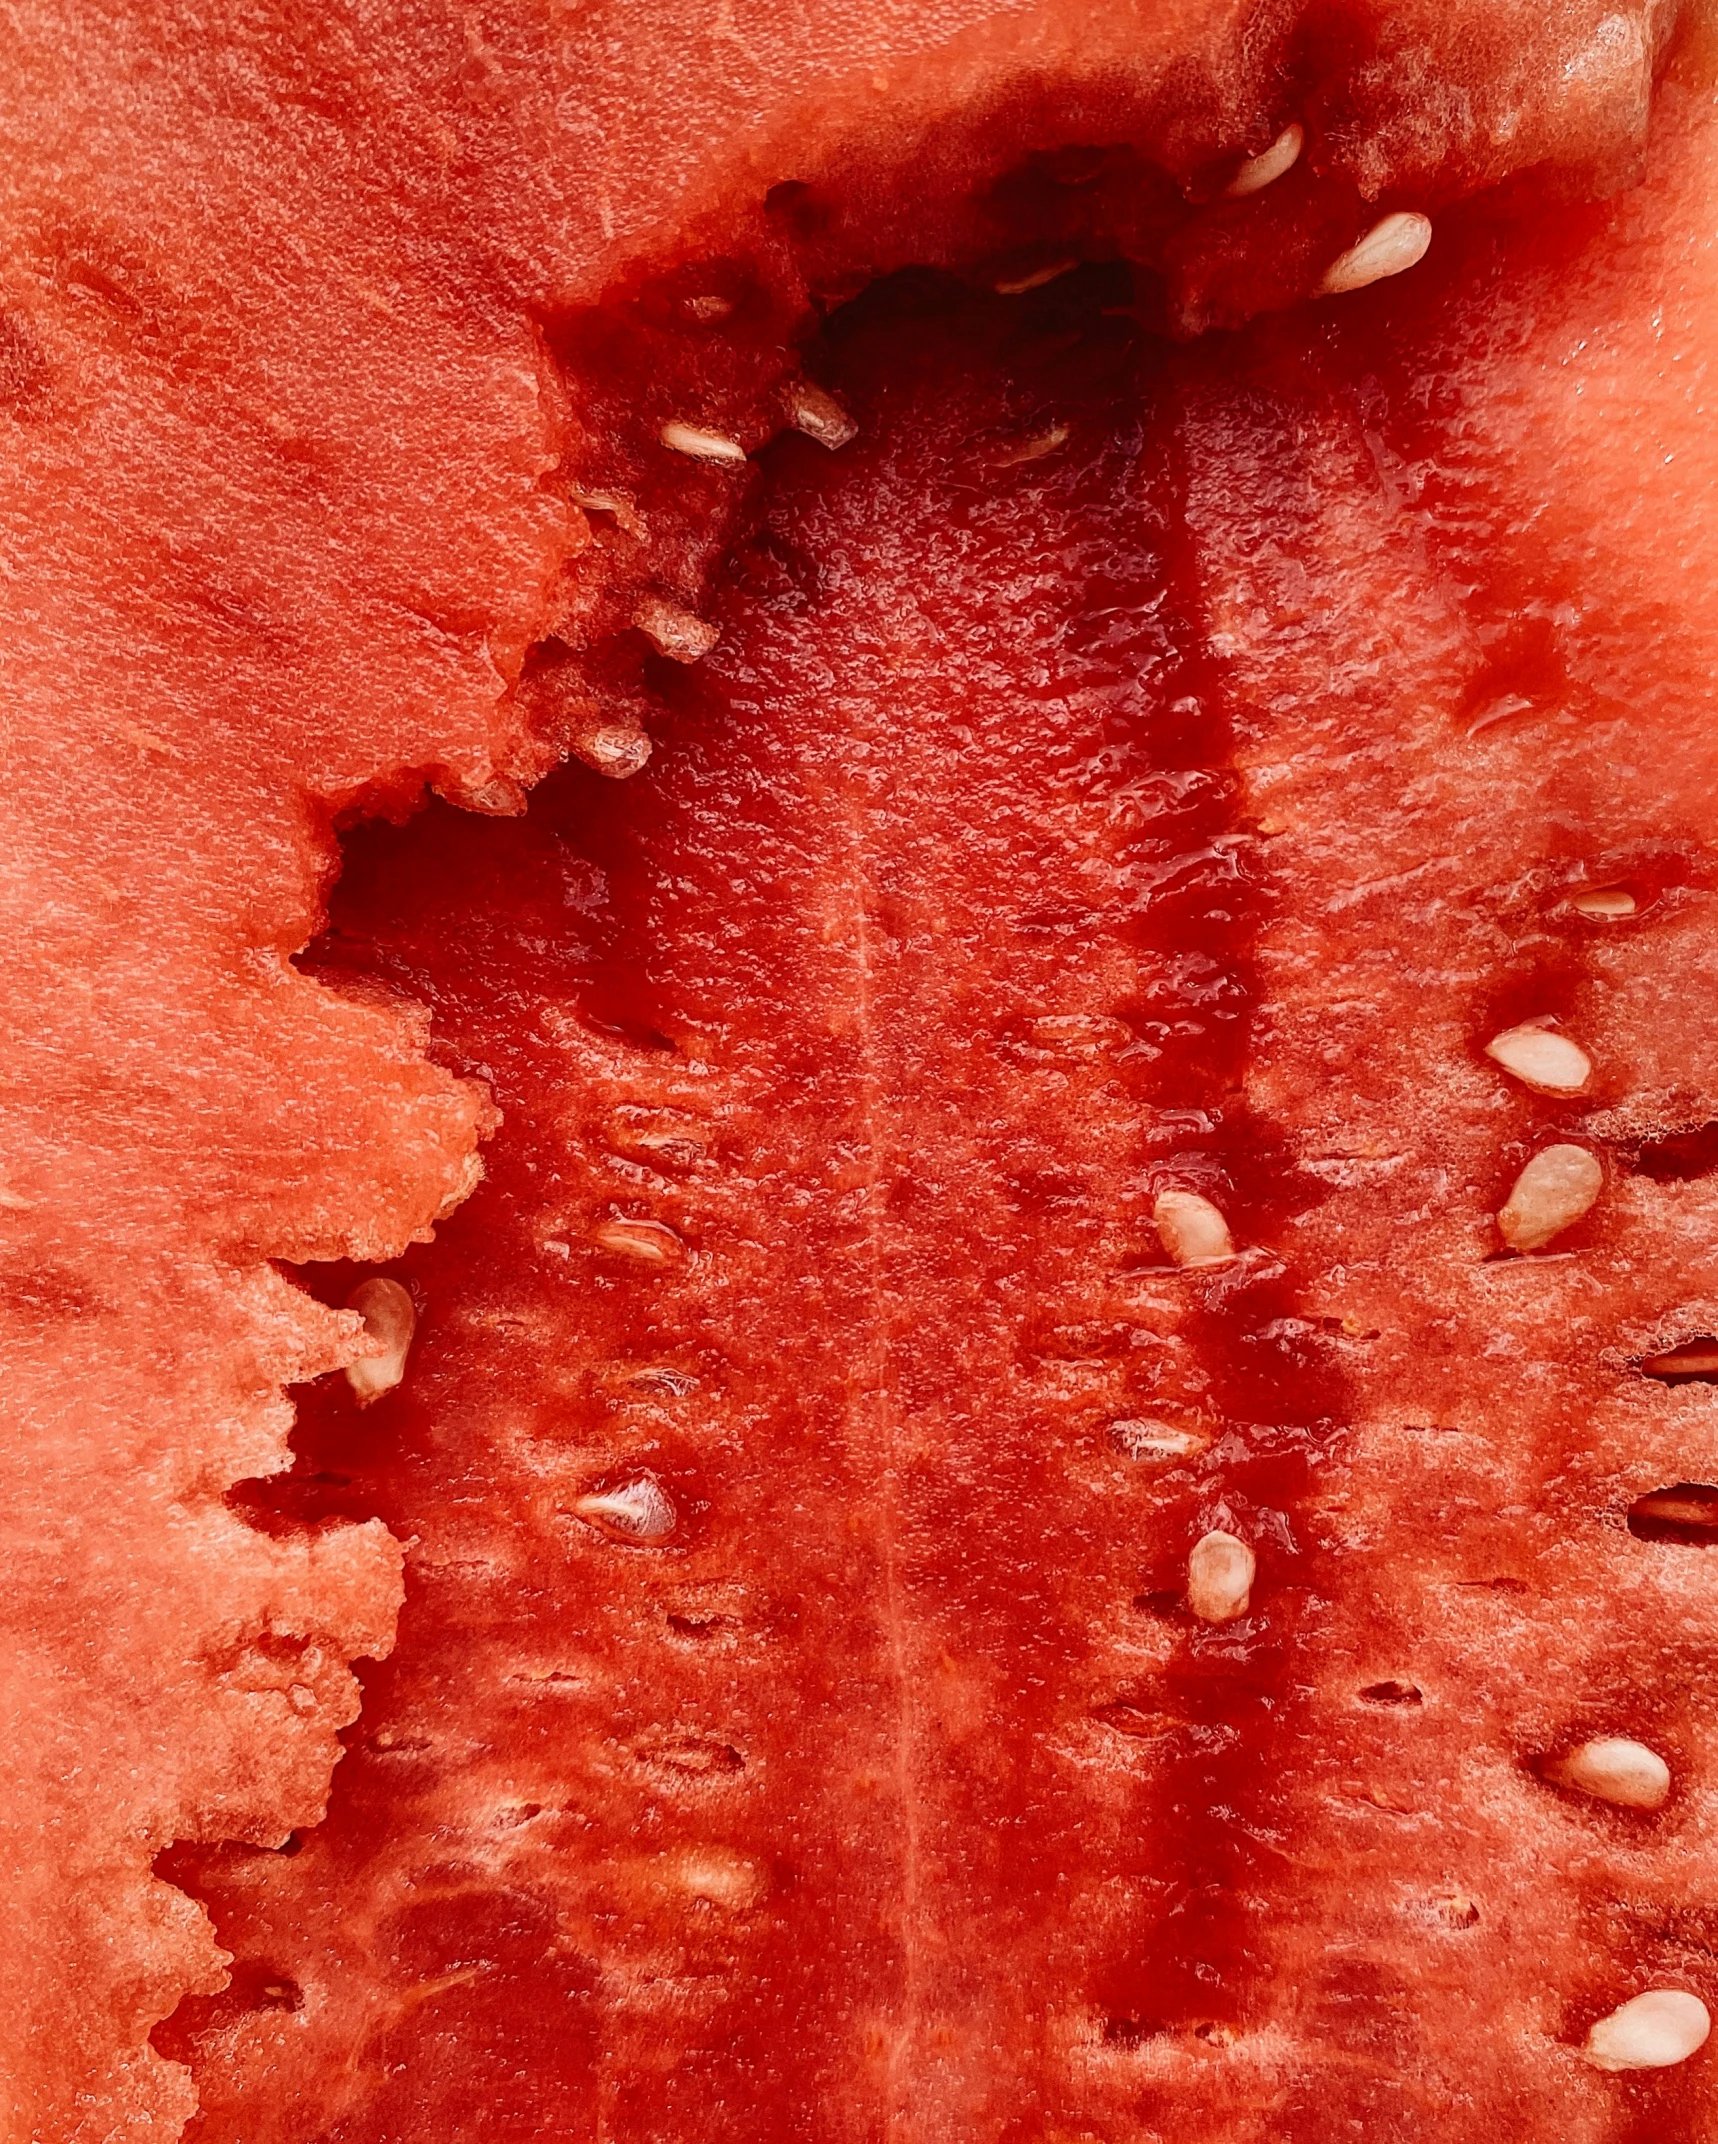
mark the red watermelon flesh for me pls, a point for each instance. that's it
(279, 534)
(1095, 791)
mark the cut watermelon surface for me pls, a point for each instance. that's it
(1059, 1486)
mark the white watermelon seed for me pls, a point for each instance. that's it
(639, 1511)
(617, 749)
(651, 1243)
(1614, 1769)
(1653, 2032)
(673, 630)
(814, 411)
(1556, 1188)
(1540, 1058)
(1154, 1440)
(1220, 1574)
(390, 1316)
(1393, 244)
(701, 445)
(1607, 903)
(1262, 170)
(1191, 1229)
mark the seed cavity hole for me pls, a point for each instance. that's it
(1679, 1157)
(1397, 1694)
(1691, 1362)
(1684, 1515)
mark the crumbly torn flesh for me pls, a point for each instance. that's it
(871, 1523)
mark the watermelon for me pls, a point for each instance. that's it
(922, 843)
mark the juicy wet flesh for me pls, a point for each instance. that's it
(799, 1726)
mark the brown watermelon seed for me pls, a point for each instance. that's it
(1263, 170)
(1654, 2031)
(674, 631)
(1607, 904)
(1191, 1229)
(1394, 243)
(639, 1511)
(1614, 1769)
(648, 1243)
(1540, 1058)
(1220, 1574)
(701, 445)
(390, 1317)
(1692, 1362)
(1556, 1188)
(1685, 1516)
(817, 413)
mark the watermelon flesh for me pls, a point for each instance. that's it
(297, 493)
(798, 1724)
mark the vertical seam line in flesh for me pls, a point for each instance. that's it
(883, 1427)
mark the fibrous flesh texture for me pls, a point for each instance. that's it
(1140, 762)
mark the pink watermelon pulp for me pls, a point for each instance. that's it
(1128, 766)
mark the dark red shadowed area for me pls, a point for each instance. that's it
(910, 971)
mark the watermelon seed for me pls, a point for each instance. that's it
(1258, 172)
(814, 411)
(617, 749)
(619, 509)
(701, 445)
(1683, 1517)
(1191, 1229)
(648, 1243)
(390, 1318)
(674, 631)
(1694, 1362)
(1033, 449)
(1556, 1188)
(709, 307)
(638, 1512)
(1653, 2032)
(1614, 1769)
(1608, 904)
(1540, 1058)
(1016, 286)
(1394, 243)
(1220, 1574)
(1155, 1440)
